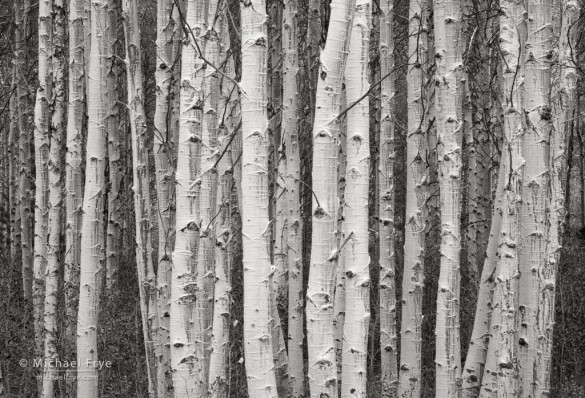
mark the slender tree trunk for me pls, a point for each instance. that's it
(55, 199)
(354, 374)
(535, 195)
(219, 357)
(449, 122)
(292, 181)
(13, 169)
(321, 286)
(25, 193)
(165, 154)
(258, 317)
(140, 168)
(387, 198)
(116, 172)
(73, 180)
(41, 141)
(501, 370)
(92, 232)
(416, 196)
(187, 368)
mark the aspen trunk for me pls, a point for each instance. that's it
(387, 198)
(187, 368)
(258, 317)
(321, 286)
(73, 179)
(354, 374)
(55, 199)
(501, 369)
(92, 232)
(165, 155)
(13, 170)
(449, 122)
(116, 172)
(480, 336)
(416, 196)
(25, 194)
(41, 142)
(292, 181)
(219, 357)
(534, 272)
(140, 169)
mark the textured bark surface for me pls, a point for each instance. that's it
(74, 179)
(354, 374)
(258, 317)
(165, 156)
(115, 167)
(323, 265)
(387, 199)
(417, 179)
(42, 120)
(292, 181)
(449, 122)
(92, 232)
(140, 174)
(501, 369)
(59, 106)
(534, 272)
(187, 368)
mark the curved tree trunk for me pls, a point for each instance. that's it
(501, 370)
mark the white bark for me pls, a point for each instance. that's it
(141, 188)
(258, 319)
(501, 370)
(58, 63)
(449, 122)
(321, 286)
(41, 141)
(92, 232)
(290, 137)
(73, 178)
(187, 368)
(165, 154)
(416, 196)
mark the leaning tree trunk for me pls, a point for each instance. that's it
(187, 368)
(41, 141)
(115, 169)
(534, 317)
(165, 154)
(354, 374)
(73, 180)
(448, 105)
(501, 368)
(92, 232)
(140, 174)
(321, 286)
(55, 199)
(416, 197)
(292, 181)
